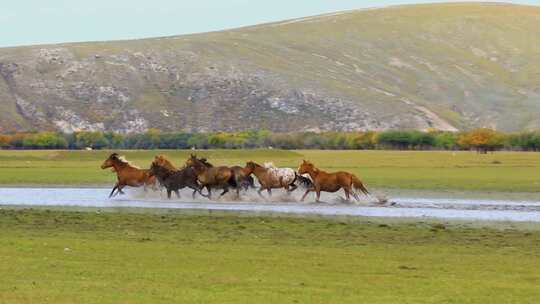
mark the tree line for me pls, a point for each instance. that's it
(482, 140)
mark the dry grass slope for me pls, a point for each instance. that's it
(439, 66)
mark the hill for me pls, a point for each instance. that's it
(441, 66)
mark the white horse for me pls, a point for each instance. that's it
(285, 176)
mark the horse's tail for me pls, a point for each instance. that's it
(303, 181)
(357, 183)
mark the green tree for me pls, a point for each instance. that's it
(45, 140)
(94, 140)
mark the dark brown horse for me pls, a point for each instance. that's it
(212, 177)
(331, 182)
(127, 174)
(174, 180)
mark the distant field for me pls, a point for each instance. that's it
(501, 171)
(62, 257)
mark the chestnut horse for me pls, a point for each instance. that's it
(210, 176)
(127, 174)
(269, 179)
(331, 182)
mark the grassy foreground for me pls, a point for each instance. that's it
(501, 171)
(67, 257)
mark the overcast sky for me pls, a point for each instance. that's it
(24, 22)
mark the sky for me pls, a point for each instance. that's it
(26, 22)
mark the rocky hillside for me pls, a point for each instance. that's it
(444, 66)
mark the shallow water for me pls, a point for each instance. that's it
(527, 210)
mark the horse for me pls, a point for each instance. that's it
(212, 177)
(242, 179)
(174, 180)
(127, 174)
(331, 182)
(302, 180)
(272, 178)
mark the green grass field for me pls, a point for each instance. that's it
(66, 257)
(501, 171)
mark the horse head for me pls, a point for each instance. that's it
(109, 162)
(193, 161)
(162, 161)
(250, 167)
(305, 167)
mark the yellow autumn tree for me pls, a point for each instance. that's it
(482, 140)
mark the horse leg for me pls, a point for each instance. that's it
(177, 193)
(113, 189)
(198, 188)
(169, 193)
(209, 191)
(259, 192)
(305, 194)
(269, 192)
(238, 186)
(347, 194)
(225, 190)
(317, 189)
(294, 186)
(120, 190)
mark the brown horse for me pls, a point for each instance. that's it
(127, 174)
(331, 182)
(269, 179)
(210, 176)
(242, 177)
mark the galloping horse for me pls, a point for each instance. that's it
(272, 178)
(331, 182)
(174, 180)
(286, 173)
(127, 174)
(241, 177)
(212, 177)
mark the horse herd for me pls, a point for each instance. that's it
(199, 174)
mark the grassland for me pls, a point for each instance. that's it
(501, 171)
(67, 257)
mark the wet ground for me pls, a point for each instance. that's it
(512, 207)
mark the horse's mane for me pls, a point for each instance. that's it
(269, 165)
(124, 161)
(313, 168)
(167, 162)
(205, 162)
(257, 165)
